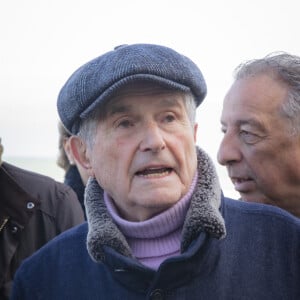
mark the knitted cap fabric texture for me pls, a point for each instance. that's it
(99, 79)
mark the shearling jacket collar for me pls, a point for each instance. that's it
(203, 214)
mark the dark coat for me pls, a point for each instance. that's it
(230, 250)
(73, 180)
(259, 259)
(33, 209)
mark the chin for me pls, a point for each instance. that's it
(160, 201)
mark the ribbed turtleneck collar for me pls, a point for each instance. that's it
(158, 238)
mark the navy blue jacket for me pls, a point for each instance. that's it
(258, 259)
(230, 250)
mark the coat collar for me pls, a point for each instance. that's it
(203, 214)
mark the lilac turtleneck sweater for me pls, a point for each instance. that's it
(154, 240)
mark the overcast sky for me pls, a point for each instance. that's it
(44, 41)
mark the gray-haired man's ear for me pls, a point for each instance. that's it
(80, 153)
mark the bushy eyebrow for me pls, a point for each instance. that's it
(117, 109)
(251, 122)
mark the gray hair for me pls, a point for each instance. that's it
(285, 68)
(88, 126)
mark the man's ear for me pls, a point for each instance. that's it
(79, 151)
(68, 151)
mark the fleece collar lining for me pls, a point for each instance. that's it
(203, 214)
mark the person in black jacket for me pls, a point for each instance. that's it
(33, 209)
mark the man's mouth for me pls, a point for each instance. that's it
(237, 180)
(154, 172)
(243, 184)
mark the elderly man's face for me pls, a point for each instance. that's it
(261, 155)
(144, 153)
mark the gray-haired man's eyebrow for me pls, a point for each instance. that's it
(118, 108)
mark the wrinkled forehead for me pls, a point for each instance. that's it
(141, 88)
(171, 96)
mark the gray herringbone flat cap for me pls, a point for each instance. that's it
(97, 80)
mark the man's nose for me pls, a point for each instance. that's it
(152, 138)
(229, 151)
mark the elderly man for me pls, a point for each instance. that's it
(260, 121)
(158, 225)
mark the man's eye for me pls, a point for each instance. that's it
(169, 118)
(249, 137)
(125, 123)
